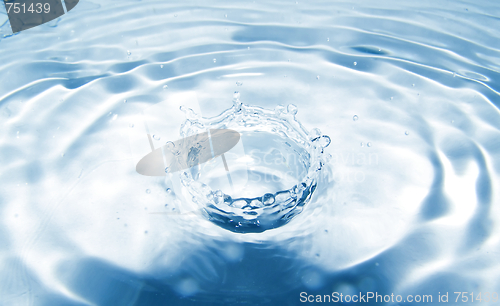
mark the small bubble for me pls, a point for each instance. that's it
(129, 53)
(148, 191)
(413, 85)
(239, 83)
(369, 144)
(355, 63)
(317, 77)
(407, 133)
(165, 86)
(392, 98)
(355, 118)
(161, 66)
(168, 190)
(225, 15)
(156, 137)
(166, 205)
(292, 109)
(125, 101)
(328, 39)
(379, 50)
(326, 231)
(361, 144)
(215, 60)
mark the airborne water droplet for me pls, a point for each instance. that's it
(355, 63)
(407, 133)
(165, 86)
(317, 77)
(161, 66)
(239, 83)
(156, 137)
(148, 191)
(369, 144)
(215, 60)
(355, 118)
(168, 190)
(129, 53)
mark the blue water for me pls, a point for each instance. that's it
(409, 203)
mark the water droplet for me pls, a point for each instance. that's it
(166, 205)
(161, 66)
(324, 141)
(392, 98)
(215, 60)
(361, 144)
(355, 63)
(236, 96)
(317, 77)
(248, 48)
(131, 125)
(292, 109)
(454, 74)
(170, 145)
(125, 101)
(413, 85)
(369, 144)
(326, 231)
(328, 39)
(225, 15)
(168, 190)
(355, 118)
(165, 86)
(18, 134)
(219, 193)
(145, 232)
(156, 137)
(239, 83)
(129, 53)
(315, 133)
(175, 15)
(166, 169)
(407, 133)
(268, 199)
(296, 2)
(148, 191)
